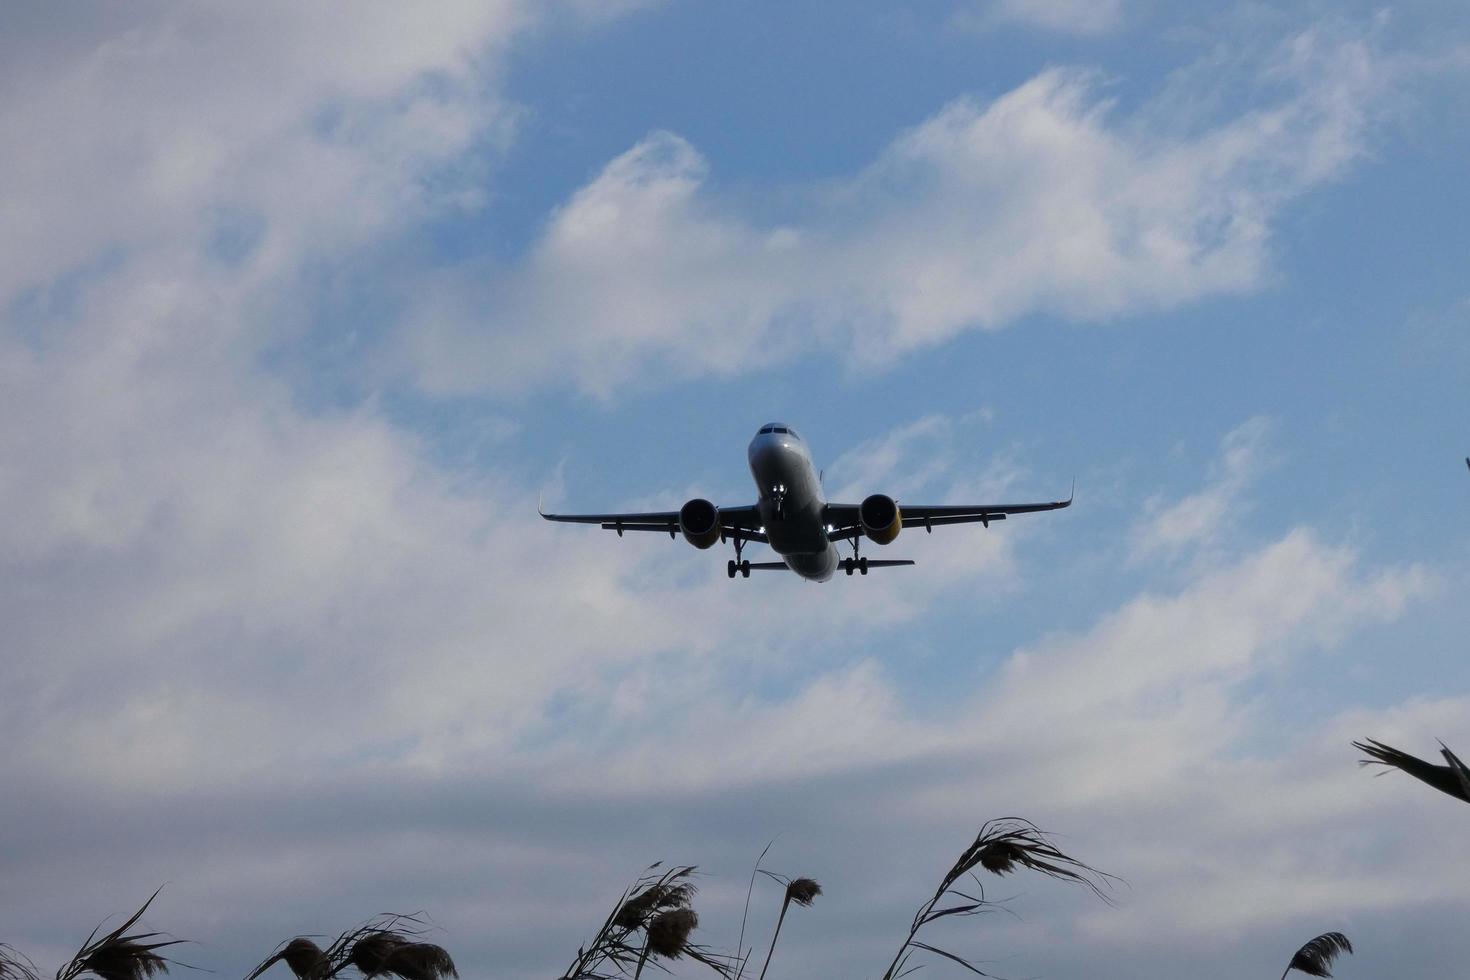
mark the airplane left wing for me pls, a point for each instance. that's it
(744, 521)
(845, 522)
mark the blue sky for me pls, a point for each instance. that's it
(301, 312)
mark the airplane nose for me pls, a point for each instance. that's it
(763, 451)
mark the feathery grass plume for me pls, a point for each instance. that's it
(652, 905)
(802, 891)
(610, 953)
(1001, 847)
(387, 945)
(15, 965)
(668, 933)
(1010, 842)
(1453, 779)
(1461, 771)
(370, 953)
(119, 955)
(638, 910)
(304, 957)
(419, 961)
(1315, 958)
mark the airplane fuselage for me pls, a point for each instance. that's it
(791, 503)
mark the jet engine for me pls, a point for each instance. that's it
(880, 518)
(699, 522)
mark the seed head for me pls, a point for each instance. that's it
(802, 891)
(668, 933)
(1315, 957)
(1000, 856)
(123, 959)
(420, 961)
(305, 958)
(370, 953)
(637, 910)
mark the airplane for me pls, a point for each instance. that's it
(793, 516)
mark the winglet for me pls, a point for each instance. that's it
(1071, 493)
(540, 508)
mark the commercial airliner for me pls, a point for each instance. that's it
(793, 517)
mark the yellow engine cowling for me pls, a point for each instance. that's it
(699, 522)
(880, 518)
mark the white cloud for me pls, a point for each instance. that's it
(1148, 720)
(1043, 200)
(313, 648)
(173, 513)
(146, 129)
(1200, 519)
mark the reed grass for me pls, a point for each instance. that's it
(1316, 956)
(15, 965)
(797, 891)
(120, 955)
(386, 945)
(1001, 847)
(651, 920)
(1452, 778)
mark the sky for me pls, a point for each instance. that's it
(304, 306)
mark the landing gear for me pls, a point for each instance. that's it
(738, 564)
(859, 565)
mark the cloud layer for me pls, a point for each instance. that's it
(1045, 200)
(262, 644)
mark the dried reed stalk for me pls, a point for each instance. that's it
(657, 905)
(801, 891)
(119, 955)
(1000, 848)
(1315, 957)
(387, 945)
(1453, 778)
(15, 965)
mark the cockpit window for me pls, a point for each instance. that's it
(781, 429)
(765, 429)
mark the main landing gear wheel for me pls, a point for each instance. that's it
(732, 566)
(863, 566)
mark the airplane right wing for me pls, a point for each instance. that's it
(743, 522)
